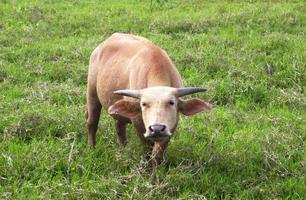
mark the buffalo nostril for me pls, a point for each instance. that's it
(157, 128)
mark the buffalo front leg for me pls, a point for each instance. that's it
(140, 130)
(159, 151)
(157, 157)
(121, 131)
(93, 114)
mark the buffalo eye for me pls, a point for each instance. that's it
(144, 104)
(171, 103)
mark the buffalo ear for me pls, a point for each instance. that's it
(193, 106)
(125, 108)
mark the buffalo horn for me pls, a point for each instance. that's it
(189, 90)
(129, 93)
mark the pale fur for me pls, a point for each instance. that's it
(126, 61)
(158, 109)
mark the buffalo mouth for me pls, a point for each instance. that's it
(157, 136)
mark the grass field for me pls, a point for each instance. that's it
(251, 57)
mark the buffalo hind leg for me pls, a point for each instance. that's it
(93, 115)
(121, 131)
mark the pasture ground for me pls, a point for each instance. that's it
(251, 57)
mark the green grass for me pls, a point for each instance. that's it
(251, 56)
